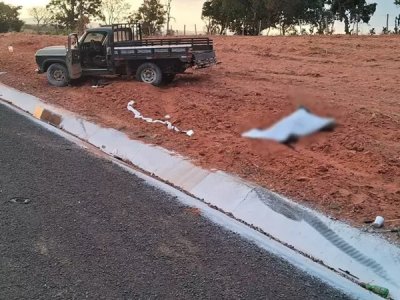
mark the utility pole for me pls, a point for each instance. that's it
(387, 22)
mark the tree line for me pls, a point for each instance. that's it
(9, 18)
(76, 14)
(247, 17)
(71, 15)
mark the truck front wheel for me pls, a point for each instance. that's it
(149, 73)
(57, 75)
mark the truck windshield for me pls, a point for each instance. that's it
(94, 36)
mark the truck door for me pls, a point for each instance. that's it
(74, 57)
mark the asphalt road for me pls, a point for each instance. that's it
(75, 226)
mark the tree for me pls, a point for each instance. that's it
(41, 16)
(290, 13)
(9, 18)
(214, 14)
(71, 13)
(238, 13)
(319, 15)
(169, 17)
(114, 11)
(249, 17)
(352, 11)
(211, 26)
(240, 16)
(152, 16)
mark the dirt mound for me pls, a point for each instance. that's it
(352, 173)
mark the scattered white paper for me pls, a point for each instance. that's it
(10, 49)
(169, 125)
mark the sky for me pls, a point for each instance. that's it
(188, 12)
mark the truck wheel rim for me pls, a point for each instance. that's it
(58, 75)
(148, 75)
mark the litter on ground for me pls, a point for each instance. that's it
(99, 83)
(379, 221)
(169, 125)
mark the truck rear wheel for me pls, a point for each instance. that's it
(149, 73)
(57, 75)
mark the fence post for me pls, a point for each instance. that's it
(195, 29)
(357, 25)
(184, 29)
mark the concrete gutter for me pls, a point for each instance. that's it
(332, 244)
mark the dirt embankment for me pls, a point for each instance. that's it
(352, 173)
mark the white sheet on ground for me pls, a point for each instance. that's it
(300, 123)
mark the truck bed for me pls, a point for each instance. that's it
(127, 44)
(198, 51)
(197, 44)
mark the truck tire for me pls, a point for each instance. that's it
(149, 73)
(57, 75)
(168, 78)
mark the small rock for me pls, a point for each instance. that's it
(323, 169)
(302, 179)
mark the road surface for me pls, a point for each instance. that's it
(76, 226)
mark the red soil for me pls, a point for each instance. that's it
(352, 173)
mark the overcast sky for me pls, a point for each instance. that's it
(189, 12)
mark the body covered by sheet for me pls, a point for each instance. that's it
(300, 123)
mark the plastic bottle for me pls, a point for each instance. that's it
(381, 291)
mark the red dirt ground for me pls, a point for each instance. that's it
(352, 173)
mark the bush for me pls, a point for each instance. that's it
(9, 20)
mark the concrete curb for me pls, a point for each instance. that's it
(332, 243)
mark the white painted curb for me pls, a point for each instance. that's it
(337, 245)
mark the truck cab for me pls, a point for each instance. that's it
(93, 49)
(120, 49)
